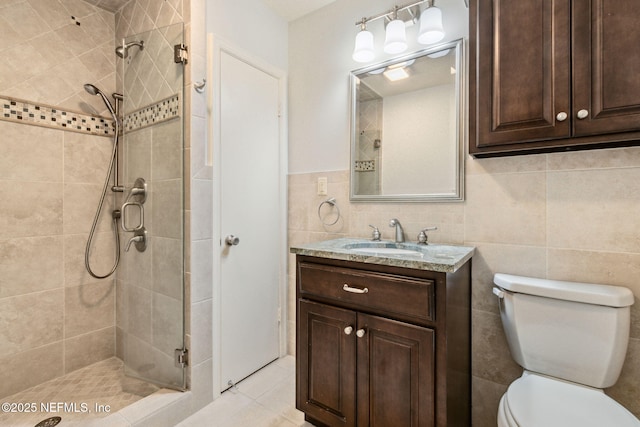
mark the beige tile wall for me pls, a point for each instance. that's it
(48, 57)
(568, 216)
(54, 318)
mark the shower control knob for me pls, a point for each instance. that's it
(231, 240)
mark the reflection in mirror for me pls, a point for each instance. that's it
(407, 135)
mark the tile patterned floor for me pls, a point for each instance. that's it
(102, 383)
(265, 399)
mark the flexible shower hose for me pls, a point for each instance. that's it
(87, 264)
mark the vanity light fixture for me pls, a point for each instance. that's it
(363, 51)
(431, 30)
(396, 36)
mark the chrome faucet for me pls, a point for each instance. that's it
(399, 231)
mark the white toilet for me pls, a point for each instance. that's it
(571, 339)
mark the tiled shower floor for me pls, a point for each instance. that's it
(102, 383)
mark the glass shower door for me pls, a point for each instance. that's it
(151, 280)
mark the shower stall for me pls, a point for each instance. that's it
(119, 323)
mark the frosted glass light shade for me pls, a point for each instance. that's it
(363, 52)
(431, 30)
(396, 37)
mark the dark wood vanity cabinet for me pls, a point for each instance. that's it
(553, 75)
(397, 354)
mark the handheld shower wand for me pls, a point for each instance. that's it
(116, 214)
(95, 91)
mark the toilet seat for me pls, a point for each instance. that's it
(537, 401)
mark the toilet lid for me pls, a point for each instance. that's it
(536, 401)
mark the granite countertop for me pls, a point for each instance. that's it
(433, 257)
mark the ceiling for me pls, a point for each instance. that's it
(290, 10)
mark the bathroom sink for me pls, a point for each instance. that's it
(413, 250)
(435, 257)
(388, 251)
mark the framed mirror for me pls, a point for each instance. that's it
(407, 128)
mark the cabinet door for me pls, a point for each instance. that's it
(326, 358)
(395, 384)
(606, 39)
(520, 52)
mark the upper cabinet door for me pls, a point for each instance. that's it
(553, 75)
(606, 66)
(521, 88)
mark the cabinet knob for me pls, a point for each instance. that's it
(561, 116)
(583, 114)
(360, 333)
(348, 330)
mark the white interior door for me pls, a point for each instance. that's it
(250, 209)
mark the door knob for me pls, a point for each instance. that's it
(561, 116)
(231, 240)
(348, 330)
(360, 333)
(583, 114)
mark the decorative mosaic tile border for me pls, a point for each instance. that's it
(365, 165)
(162, 111)
(20, 111)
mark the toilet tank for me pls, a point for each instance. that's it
(573, 331)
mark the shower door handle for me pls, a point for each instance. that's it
(124, 223)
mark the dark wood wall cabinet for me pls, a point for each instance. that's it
(553, 75)
(382, 346)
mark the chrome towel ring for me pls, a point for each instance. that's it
(332, 203)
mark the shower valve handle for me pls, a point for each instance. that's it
(140, 239)
(134, 239)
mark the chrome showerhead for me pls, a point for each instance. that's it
(123, 51)
(95, 91)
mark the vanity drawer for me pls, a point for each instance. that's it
(401, 297)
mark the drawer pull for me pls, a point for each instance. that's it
(348, 330)
(348, 288)
(360, 333)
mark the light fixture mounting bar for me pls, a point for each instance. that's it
(395, 10)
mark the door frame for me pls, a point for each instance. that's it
(216, 46)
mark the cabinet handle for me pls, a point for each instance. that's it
(561, 116)
(348, 330)
(583, 114)
(348, 288)
(360, 333)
